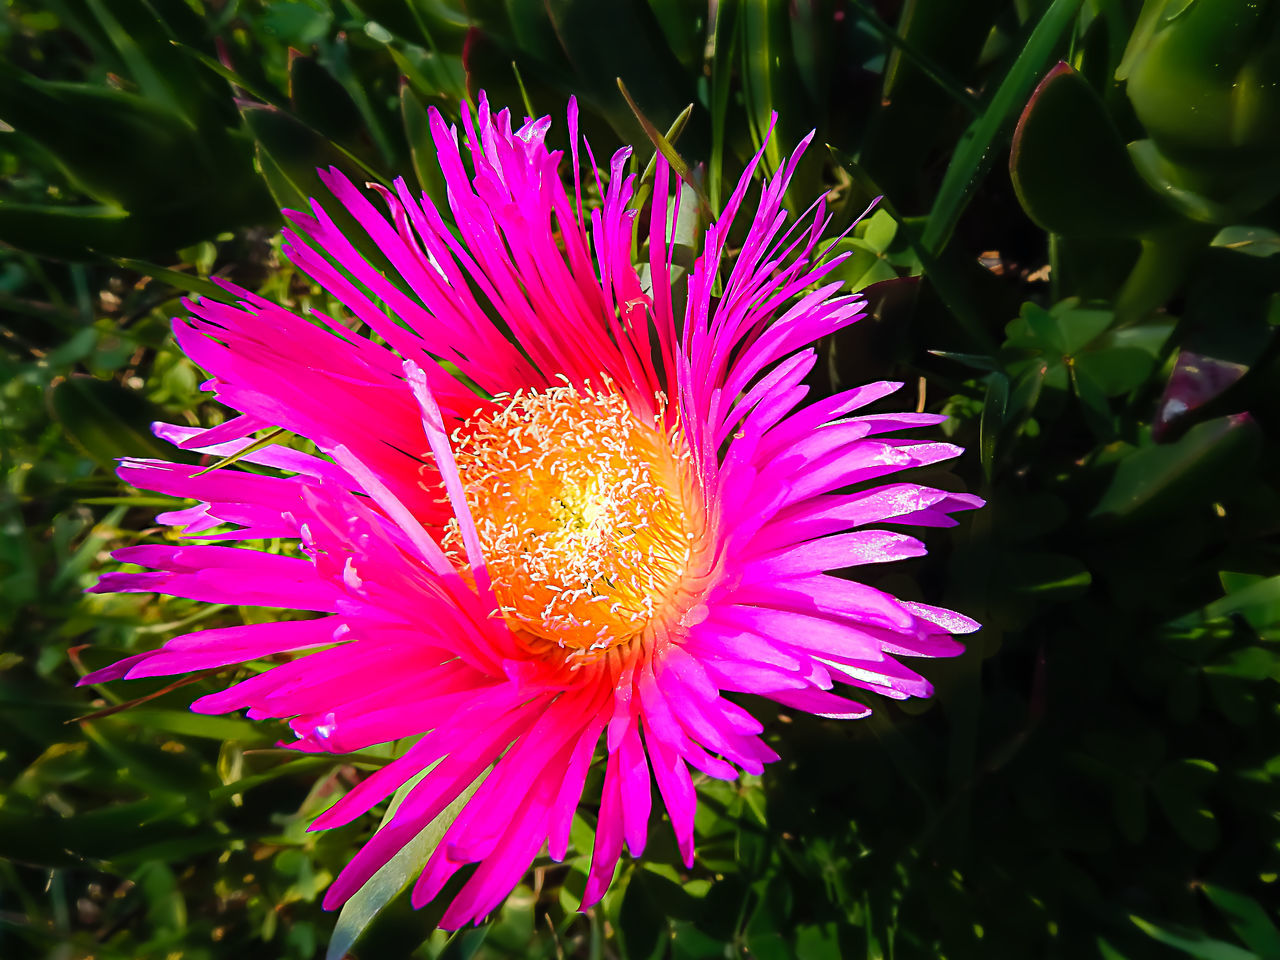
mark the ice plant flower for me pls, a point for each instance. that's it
(610, 519)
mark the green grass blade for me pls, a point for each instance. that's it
(973, 155)
(921, 62)
(396, 874)
(260, 443)
(664, 145)
(175, 278)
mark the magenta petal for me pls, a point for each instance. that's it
(227, 645)
(608, 848)
(566, 801)
(836, 552)
(223, 575)
(634, 775)
(677, 792)
(948, 620)
(821, 703)
(806, 632)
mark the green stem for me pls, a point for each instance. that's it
(1160, 270)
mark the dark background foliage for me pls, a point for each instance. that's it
(1075, 258)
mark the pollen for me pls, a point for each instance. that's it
(586, 513)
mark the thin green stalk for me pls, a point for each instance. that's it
(948, 86)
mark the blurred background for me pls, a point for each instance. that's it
(1075, 258)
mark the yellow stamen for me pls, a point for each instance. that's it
(585, 514)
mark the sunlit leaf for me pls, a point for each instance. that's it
(396, 874)
(1254, 241)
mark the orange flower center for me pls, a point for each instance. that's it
(584, 513)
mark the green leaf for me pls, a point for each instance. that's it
(1254, 241)
(1045, 328)
(763, 49)
(1026, 394)
(160, 181)
(920, 61)
(1179, 787)
(924, 77)
(671, 136)
(127, 45)
(722, 40)
(236, 785)
(1052, 577)
(1079, 326)
(1247, 663)
(119, 148)
(297, 23)
(644, 929)
(231, 76)
(463, 945)
(1159, 479)
(164, 76)
(397, 873)
(287, 196)
(1203, 86)
(1149, 338)
(975, 151)
(175, 278)
(878, 230)
(399, 19)
(961, 284)
(1116, 371)
(299, 150)
(422, 150)
(1169, 181)
(992, 420)
(1248, 919)
(878, 272)
(644, 62)
(108, 420)
(1257, 603)
(433, 75)
(290, 154)
(1129, 806)
(90, 549)
(1093, 402)
(69, 233)
(860, 259)
(323, 103)
(975, 360)
(1194, 944)
(1070, 168)
(260, 443)
(187, 724)
(663, 145)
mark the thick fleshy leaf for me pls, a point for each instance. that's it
(1070, 167)
(1156, 480)
(974, 153)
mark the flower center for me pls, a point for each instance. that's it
(583, 512)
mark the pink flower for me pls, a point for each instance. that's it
(610, 519)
